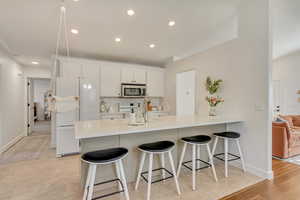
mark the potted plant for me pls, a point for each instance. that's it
(212, 87)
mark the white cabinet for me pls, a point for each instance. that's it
(133, 75)
(70, 68)
(110, 80)
(140, 76)
(155, 83)
(89, 91)
(66, 142)
(68, 81)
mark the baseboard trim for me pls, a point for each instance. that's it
(12, 142)
(254, 170)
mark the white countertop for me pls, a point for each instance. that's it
(102, 128)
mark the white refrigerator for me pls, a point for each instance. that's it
(86, 87)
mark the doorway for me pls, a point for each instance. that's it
(185, 93)
(39, 119)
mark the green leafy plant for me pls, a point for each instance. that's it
(212, 86)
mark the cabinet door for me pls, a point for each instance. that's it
(110, 80)
(89, 91)
(70, 69)
(127, 75)
(68, 81)
(139, 76)
(155, 83)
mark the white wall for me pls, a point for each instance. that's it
(244, 65)
(40, 87)
(12, 93)
(286, 70)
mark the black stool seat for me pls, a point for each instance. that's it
(160, 146)
(105, 156)
(228, 134)
(198, 139)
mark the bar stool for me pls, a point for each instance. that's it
(229, 135)
(196, 142)
(156, 148)
(105, 157)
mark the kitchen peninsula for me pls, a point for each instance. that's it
(101, 134)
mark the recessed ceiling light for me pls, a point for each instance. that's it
(35, 63)
(171, 23)
(117, 39)
(76, 0)
(152, 46)
(130, 12)
(74, 31)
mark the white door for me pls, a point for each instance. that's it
(276, 97)
(185, 93)
(30, 106)
(110, 80)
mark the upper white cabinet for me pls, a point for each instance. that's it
(105, 78)
(156, 83)
(133, 75)
(68, 81)
(140, 76)
(110, 80)
(70, 68)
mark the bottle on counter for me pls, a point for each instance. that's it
(132, 117)
(139, 114)
(149, 106)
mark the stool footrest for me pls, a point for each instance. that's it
(156, 181)
(233, 159)
(109, 194)
(207, 165)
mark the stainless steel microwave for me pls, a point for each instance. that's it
(133, 90)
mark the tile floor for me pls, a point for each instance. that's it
(45, 177)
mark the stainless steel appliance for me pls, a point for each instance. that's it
(133, 90)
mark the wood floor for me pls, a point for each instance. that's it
(284, 186)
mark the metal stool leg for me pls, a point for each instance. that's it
(119, 165)
(198, 155)
(140, 170)
(214, 146)
(119, 176)
(149, 176)
(210, 157)
(226, 156)
(87, 182)
(162, 160)
(241, 154)
(181, 159)
(194, 166)
(92, 181)
(174, 172)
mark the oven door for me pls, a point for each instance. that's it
(133, 91)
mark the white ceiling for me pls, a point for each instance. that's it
(286, 27)
(28, 28)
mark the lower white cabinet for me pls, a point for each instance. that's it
(65, 141)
